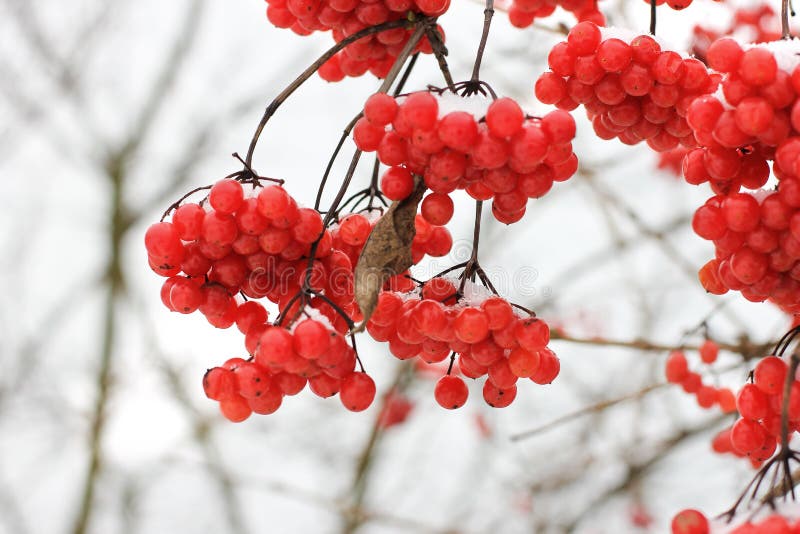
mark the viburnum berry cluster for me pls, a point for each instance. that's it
(677, 371)
(344, 18)
(480, 331)
(630, 87)
(757, 244)
(751, 121)
(256, 244)
(488, 147)
(757, 433)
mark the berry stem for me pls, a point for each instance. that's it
(784, 342)
(487, 22)
(374, 190)
(332, 212)
(440, 52)
(387, 83)
(787, 390)
(452, 361)
(476, 231)
(652, 17)
(472, 267)
(420, 25)
(351, 124)
(342, 139)
(786, 31)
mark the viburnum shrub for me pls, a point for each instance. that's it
(301, 283)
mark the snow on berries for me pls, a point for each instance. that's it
(374, 53)
(481, 333)
(630, 87)
(490, 148)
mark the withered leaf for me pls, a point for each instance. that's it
(387, 251)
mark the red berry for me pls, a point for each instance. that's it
(497, 397)
(676, 368)
(188, 221)
(770, 374)
(437, 209)
(709, 351)
(235, 409)
(397, 183)
(451, 392)
(226, 196)
(357, 392)
(311, 339)
(549, 367)
(504, 117)
(690, 522)
(471, 325)
(380, 109)
(220, 383)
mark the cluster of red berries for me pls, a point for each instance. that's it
(482, 330)
(522, 13)
(757, 433)
(757, 244)
(754, 119)
(756, 24)
(285, 360)
(497, 153)
(258, 246)
(375, 53)
(631, 88)
(695, 522)
(249, 245)
(677, 372)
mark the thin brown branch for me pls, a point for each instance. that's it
(358, 490)
(170, 71)
(637, 470)
(747, 348)
(273, 106)
(587, 410)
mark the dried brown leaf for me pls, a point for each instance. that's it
(387, 251)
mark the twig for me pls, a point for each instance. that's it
(586, 410)
(786, 30)
(487, 22)
(420, 24)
